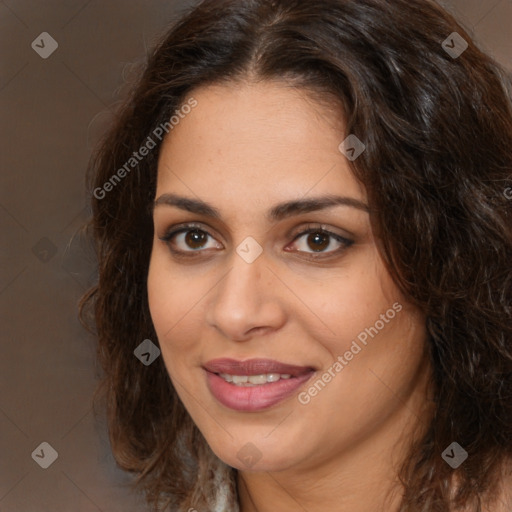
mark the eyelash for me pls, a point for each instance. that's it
(309, 229)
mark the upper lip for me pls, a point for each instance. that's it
(255, 367)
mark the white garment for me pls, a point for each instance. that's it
(224, 496)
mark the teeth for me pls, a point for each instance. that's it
(258, 379)
(254, 380)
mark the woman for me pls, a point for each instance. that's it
(302, 205)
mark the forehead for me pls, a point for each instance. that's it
(266, 141)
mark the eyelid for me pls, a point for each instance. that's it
(321, 255)
(318, 227)
(183, 228)
(295, 234)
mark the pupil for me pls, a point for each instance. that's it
(195, 238)
(318, 238)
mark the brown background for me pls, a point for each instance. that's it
(52, 112)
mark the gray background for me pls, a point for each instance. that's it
(52, 112)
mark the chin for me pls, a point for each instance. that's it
(251, 454)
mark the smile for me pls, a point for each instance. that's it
(255, 384)
(254, 380)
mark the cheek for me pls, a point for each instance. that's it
(379, 337)
(161, 296)
(370, 383)
(171, 301)
(351, 303)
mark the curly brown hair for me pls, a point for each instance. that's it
(438, 161)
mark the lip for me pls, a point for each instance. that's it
(254, 398)
(254, 367)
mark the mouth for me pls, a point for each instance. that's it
(254, 384)
(253, 380)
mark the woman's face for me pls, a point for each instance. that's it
(340, 350)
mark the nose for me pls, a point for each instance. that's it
(246, 301)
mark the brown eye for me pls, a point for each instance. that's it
(188, 240)
(318, 241)
(195, 238)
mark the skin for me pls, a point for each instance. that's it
(243, 149)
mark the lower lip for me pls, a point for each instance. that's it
(253, 398)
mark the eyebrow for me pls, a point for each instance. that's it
(277, 212)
